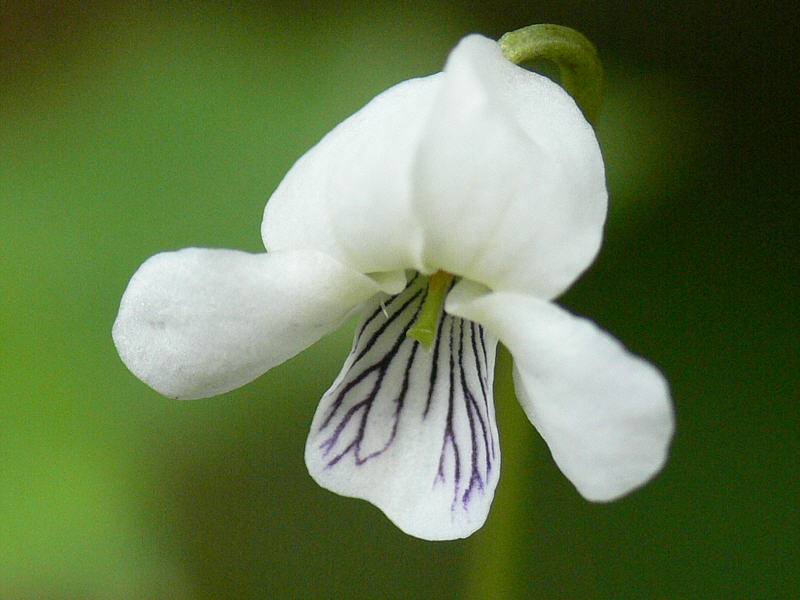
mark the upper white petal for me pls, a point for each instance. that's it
(467, 171)
(200, 322)
(508, 179)
(605, 414)
(349, 196)
(411, 429)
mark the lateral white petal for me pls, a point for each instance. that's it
(605, 414)
(408, 429)
(507, 167)
(200, 322)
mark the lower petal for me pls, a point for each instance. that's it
(199, 322)
(410, 429)
(605, 414)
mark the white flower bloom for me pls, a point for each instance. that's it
(484, 171)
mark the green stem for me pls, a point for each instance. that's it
(579, 66)
(424, 329)
(494, 571)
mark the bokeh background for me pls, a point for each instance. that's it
(131, 128)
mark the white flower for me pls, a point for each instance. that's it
(484, 171)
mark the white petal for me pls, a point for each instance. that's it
(605, 414)
(200, 322)
(508, 179)
(464, 171)
(349, 195)
(412, 430)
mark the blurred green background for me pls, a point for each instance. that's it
(127, 129)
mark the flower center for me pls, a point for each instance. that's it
(424, 328)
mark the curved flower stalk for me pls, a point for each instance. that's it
(476, 195)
